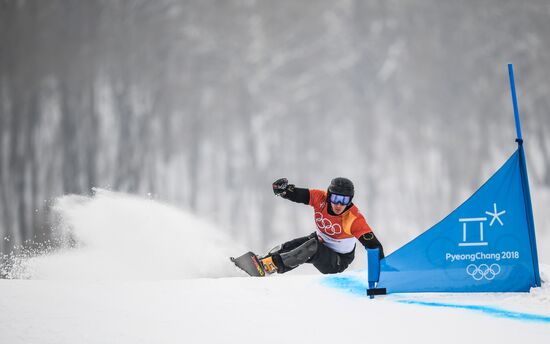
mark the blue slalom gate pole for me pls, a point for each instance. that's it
(525, 179)
(373, 264)
(515, 102)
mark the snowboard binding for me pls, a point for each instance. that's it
(254, 265)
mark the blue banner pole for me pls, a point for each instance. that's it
(525, 180)
(373, 264)
(519, 139)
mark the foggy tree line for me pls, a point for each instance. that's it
(204, 103)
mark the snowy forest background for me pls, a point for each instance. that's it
(202, 104)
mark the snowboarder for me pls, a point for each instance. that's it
(331, 248)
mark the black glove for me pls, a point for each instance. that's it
(282, 188)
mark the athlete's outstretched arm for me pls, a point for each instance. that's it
(290, 192)
(370, 241)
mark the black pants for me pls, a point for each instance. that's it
(325, 259)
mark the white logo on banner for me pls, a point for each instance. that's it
(481, 220)
(496, 215)
(483, 271)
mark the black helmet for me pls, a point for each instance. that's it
(341, 186)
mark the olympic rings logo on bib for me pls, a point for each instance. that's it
(483, 271)
(326, 226)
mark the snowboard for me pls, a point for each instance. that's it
(250, 264)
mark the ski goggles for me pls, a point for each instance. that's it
(340, 199)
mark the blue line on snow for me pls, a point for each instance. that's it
(353, 285)
(493, 311)
(357, 286)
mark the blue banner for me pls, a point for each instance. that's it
(485, 245)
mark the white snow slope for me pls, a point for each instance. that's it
(143, 272)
